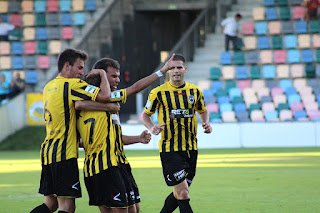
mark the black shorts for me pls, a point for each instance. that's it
(61, 179)
(107, 189)
(178, 166)
(131, 186)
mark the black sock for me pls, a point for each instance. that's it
(43, 208)
(170, 204)
(184, 206)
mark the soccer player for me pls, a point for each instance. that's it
(60, 176)
(177, 101)
(112, 69)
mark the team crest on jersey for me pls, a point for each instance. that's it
(90, 89)
(191, 99)
(116, 94)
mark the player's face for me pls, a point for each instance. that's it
(113, 75)
(176, 74)
(76, 71)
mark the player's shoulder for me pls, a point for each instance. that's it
(191, 86)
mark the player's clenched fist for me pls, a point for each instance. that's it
(145, 137)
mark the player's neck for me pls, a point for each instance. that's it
(177, 83)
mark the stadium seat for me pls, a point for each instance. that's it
(41, 19)
(300, 115)
(17, 48)
(54, 33)
(266, 56)
(4, 48)
(290, 90)
(28, 20)
(42, 47)
(215, 117)
(310, 70)
(258, 84)
(304, 41)
(15, 35)
(247, 28)
(225, 107)
(228, 72)
(242, 84)
(226, 58)
(65, 5)
(285, 115)
(269, 71)
(299, 83)
(53, 6)
(238, 107)
(215, 86)
(252, 57)
(271, 13)
(297, 12)
(276, 42)
(293, 98)
(271, 83)
(297, 70)
(263, 42)
(257, 116)
(279, 99)
(314, 26)
(66, 19)
(280, 56)
(31, 77)
(79, 19)
(212, 107)
(282, 2)
(265, 99)
(67, 34)
(307, 56)
(14, 6)
(30, 47)
(285, 13)
(282, 71)
(90, 5)
(229, 116)
(29, 34)
(207, 93)
(5, 62)
(30, 62)
(215, 73)
(43, 62)
(276, 91)
(274, 28)
(283, 106)
(17, 62)
(40, 6)
(237, 99)
(230, 84)
(269, 3)
(221, 93)
(55, 47)
(15, 19)
(78, 5)
(254, 107)
(223, 99)
(204, 84)
(250, 42)
(255, 72)
(238, 57)
(258, 13)
(293, 56)
(4, 7)
(314, 115)
(316, 40)
(296, 106)
(242, 116)
(41, 33)
(261, 28)
(305, 91)
(290, 41)
(27, 6)
(301, 26)
(272, 115)
(234, 92)
(248, 92)
(287, 27)
(268, 106)
(285, 83)
(318, 55)
(52, 19)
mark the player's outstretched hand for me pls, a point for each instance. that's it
(145, 137)
(168, 65)
(207, 128)
(156, 129)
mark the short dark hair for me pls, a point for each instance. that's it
(70, 55)
(104, 63)
(94, 80)
(179, 57)
(238, 15)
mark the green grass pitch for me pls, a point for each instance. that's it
(244, 180)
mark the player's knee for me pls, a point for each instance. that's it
(182, 194)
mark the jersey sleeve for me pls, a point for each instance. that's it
(200, 106)
(152, 103)
(81, 90)
(119, 96)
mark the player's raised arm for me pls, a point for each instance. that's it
(104, 94)
(97, 106)
(147, 81)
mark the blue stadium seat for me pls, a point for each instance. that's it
(65, 5)
(269, 71)
(31, 77)
(16, 48)
(17, 62)
(263, 42)
(271, 13)
(66, 19)
(241, 72)
(265, 99)
(307, 56)
(223, 99)
(293, 56)
(54, 33)
(287, 27)
(41, 33)
(225, 107)
(269, 3)
(4, 17)
(234, 92)
(207, 93)
(272, 115)
(252, 57)
(290, 90)
(79, 19)
(30, 62)
(52, 19)
(290, 41)
(293, 98)
(216, 85)
(243, 116)
(261, 28)
(238, 107)
(285, 83)
(300, 114)
(90, 5)
(301, 26)
(226, 58)
(40, 6)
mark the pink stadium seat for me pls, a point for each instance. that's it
(279, 99)
(316, 40)
(248, 28)
(53, 5)
(30, 47)
(297, 70)
(4, 48)
(285, 115)
(27, 6)
(311, 107)
(268, 106)
(308, 99)
(314, 115)
(297, 12)
(257, 116)
(263, 91)
(243, 84)
(43, 62)
(67, 33)
(15, 19)
(229, 116)
(266, 56)
(274, 27)
(213, 107)
(280, 56)
(276, 91)
(296, 106)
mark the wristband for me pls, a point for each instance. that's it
(159, 73)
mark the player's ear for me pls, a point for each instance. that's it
(186, 68)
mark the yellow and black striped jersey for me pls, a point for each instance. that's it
(119, 143)
(99, 138)
(176, 108)
(59, 95)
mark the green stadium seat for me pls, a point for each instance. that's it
(276, 42)
(15, 34)
(230, 84)
(255, 72)
(42, 47)
(253, 107)
(215, 73)
(238, 57)
(41, 19)
(285, 13)
(282, 2)
(283, 106)
(314, 26)
(310, 70)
